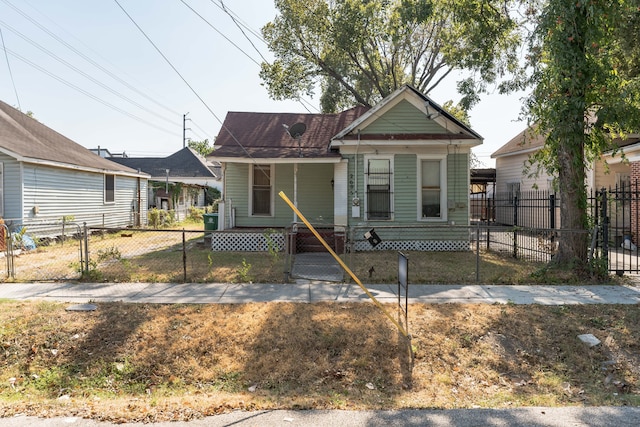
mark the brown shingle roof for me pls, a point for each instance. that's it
(262, 135)
(30, 139)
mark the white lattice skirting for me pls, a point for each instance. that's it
(246, 242)
(414, 245)
(257, 242)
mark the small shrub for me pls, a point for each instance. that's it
(272, 246)
(160, 218)
(243, 272)
(195, 214)
(108, 254)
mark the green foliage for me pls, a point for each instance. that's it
(204, 148)
(159, 218)
(212, 196)
(195, 214)
(581, 99)
(362, 51)
(272, 246)
(92, 275)
(108, 254)
(243, 271)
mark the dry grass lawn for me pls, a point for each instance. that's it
(178, 362)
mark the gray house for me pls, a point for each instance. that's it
(177, 181)
(45, 176)
(401, 167)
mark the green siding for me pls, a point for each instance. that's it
(458, 188)
(316, 201)
(406, 191)
(403, 118)
(315, 196)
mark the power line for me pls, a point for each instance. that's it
(87, 58)
(218, 31)
(185, 81)
(232, 14)
(84, 92)
(86, 75)
(242, 31)
(10, 73)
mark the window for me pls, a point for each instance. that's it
(431, 188)
(261, 194)
(378, 175)
(109, 188)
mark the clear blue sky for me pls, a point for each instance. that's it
(135, 80)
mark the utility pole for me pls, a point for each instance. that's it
(184, 130)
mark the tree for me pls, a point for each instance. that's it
(204, 148)
(361, 51)
(582, 97)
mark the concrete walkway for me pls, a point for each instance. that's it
(311, 291)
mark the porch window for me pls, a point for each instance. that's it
(109, 188)
(378, 184)
(261, 190)
(431, 188)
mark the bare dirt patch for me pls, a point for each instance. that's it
(178, 362)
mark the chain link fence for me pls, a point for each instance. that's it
(437, 254)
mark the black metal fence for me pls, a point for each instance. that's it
(613, 211)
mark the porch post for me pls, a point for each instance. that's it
(295, 191)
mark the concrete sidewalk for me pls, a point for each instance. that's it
(310, 291)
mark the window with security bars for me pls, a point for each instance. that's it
(261, 190)
(379, 189)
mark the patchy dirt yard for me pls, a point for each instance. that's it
(178, 362)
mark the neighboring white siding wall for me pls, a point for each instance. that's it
(12, 189)
(512, 169)
(58, 192)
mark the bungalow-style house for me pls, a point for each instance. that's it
(178, 181)
(400, 167)
(611, 171)
(46, 177)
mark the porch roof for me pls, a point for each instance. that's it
(264, 135)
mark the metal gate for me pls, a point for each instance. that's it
(615, 211)
(41, 251)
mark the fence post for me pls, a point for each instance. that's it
(86, 248)
(184, 258)
(478, 253)
(552, 211)
(515, 226)
(605, 226)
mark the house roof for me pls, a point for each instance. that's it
(524, 142)
(530, 140)
(185, 163)
(29, 140)
(428, 106)
(262, 135)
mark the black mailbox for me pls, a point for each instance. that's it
(372, 237)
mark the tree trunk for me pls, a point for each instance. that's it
(573, 243)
